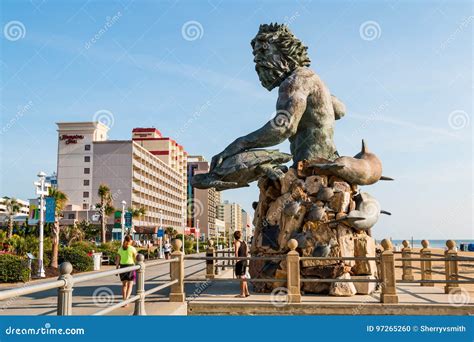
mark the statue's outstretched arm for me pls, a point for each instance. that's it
(290, 107)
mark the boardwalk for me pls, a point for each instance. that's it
(107, 291)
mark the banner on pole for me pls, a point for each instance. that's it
(161, 232)
(128, 219)
(118, 219)
(50, 212)
(33, 217)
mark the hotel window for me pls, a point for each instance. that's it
(71, 216)
(85, 206)
(87, 147)
(85, 194)
(87, 170)
(87, 159)
(86, 182)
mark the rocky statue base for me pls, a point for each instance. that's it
(313, 208)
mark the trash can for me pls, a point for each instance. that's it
(97, 257)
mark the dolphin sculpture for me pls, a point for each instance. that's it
(364, 168)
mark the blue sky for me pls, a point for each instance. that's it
(403, 69)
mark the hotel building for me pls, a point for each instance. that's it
(20, 216)
(135, 172)
(202, 203)
(231, 214)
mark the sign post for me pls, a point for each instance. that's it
(160, 234)
(128, 220)
(117, 222)
(160, 237)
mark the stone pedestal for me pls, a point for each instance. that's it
(311, 209)
(362, 287)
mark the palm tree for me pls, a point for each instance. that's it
(61, 200)
(171, 232)
(73, 233)
(105, 206)
(137, 212)
(12, 208)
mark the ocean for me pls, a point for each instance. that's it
(433, 243)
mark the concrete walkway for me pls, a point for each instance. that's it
(219, 299)
(95, 295)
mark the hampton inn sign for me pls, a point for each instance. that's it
(70, 139)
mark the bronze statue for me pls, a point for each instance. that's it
(317, 200)
(305, 109)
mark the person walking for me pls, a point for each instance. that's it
(126, 257)
(167, 249)
(240, 249)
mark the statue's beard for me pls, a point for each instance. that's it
(270, 74)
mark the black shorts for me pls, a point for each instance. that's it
(240, 268)
(127, 276)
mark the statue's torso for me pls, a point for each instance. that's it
(314, 136)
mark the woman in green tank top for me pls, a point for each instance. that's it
(125, 258)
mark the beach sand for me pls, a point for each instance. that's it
(466, 268)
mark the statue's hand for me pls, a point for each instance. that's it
(236, 147)
(218, 159)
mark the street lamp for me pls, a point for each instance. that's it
(123, 220)
(41, 190)
(197, 236)
(160, 239)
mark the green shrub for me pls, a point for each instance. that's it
(84, 246)
(13, 268)
(79, 259)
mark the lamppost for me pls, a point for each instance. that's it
(197, 236)
(41, 191)
(122, 220)
(160, 239)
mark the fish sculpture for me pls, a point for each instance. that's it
(366, 213)
(322, 249)
(364, 168)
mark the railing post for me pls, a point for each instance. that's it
(425, 253)
(223, 261)
(406, 254)
(451, 267)
(140, 289)
(387, 263)
(65, 292)
(210, 263)
(177, 273)
(293, 273)
(216, 263)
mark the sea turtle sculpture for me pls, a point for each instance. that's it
(239, 170)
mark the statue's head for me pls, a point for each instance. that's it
(277, 53)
